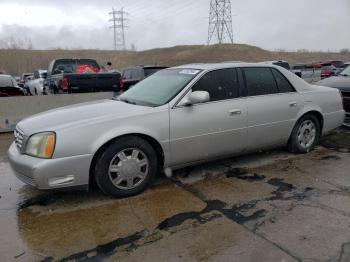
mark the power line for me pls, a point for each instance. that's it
(118, 21)
(220, 22)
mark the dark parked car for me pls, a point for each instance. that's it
(9, 87)
(79, 76)
(134, 74)
(341, 82)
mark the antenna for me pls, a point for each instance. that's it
(220, 22)
(118, 25)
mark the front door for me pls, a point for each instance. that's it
(212, 129)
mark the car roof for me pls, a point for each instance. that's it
(144, 67)
(274, 61)
(5, 76)
(212, 66)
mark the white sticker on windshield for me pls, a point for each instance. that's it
(189, 72)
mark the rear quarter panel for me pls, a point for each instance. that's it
(328, 102)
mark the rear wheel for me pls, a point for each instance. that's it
(305, 135)
(126, 167)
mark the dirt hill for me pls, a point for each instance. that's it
(18, 61)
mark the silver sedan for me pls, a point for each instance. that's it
(177, 117)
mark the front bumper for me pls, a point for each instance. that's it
(50, 173)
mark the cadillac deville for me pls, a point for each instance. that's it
(177, 117)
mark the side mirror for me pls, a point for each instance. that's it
(196, 97)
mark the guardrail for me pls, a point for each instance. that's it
(14, 109)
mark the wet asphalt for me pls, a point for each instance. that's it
(269, 206)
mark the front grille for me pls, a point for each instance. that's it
(19, 138)
(346, 101)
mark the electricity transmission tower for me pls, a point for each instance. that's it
(220, 22)
(118, 21)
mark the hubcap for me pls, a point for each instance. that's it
(128, 168)
(307, 134)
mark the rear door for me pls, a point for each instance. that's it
(273, 105)
(212, 129)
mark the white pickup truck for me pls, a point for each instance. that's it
(36, 85)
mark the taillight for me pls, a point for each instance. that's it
(64, 83)
(121, 83)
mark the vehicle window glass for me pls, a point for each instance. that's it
(283, 84)
(346, 71)
(135, 74)
(260, 81)
(283, 64)
(5, 81)
(150, 71)
(298, 67)
(220, 84)
(328, 67)
(160, 88)
(36, 75)
(127, 74)
(75, 66)
(43, 75)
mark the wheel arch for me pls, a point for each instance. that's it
(313, 112)
(151, 140)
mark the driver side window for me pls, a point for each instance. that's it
(220, 84)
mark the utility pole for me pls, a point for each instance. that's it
(220, 22)
(118, 19)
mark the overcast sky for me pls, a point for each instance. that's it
(270, 24)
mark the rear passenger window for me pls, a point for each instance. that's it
(283, 84)
(260, 81)
(135, 74)
(127, 74)
(220, 84)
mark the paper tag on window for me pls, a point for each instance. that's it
(189, 72)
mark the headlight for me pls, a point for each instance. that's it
(41, 145)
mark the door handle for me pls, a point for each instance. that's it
(235, 112)
(293, 104)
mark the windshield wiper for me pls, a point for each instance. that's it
(125, 100)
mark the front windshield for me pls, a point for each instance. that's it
(159, 88)
(346, 72)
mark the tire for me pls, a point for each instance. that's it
(126, 167)
(305, 135)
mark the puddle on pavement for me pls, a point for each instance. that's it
(41, 225)
(63, 230)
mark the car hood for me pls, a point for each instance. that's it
(339, 82)
(73, 115)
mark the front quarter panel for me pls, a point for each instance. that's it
(88, 138)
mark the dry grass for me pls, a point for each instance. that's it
(18, 61)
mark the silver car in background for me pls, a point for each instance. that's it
(36, 84)
(177, 117)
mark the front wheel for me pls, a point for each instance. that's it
(126, 167)
(305, 135)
